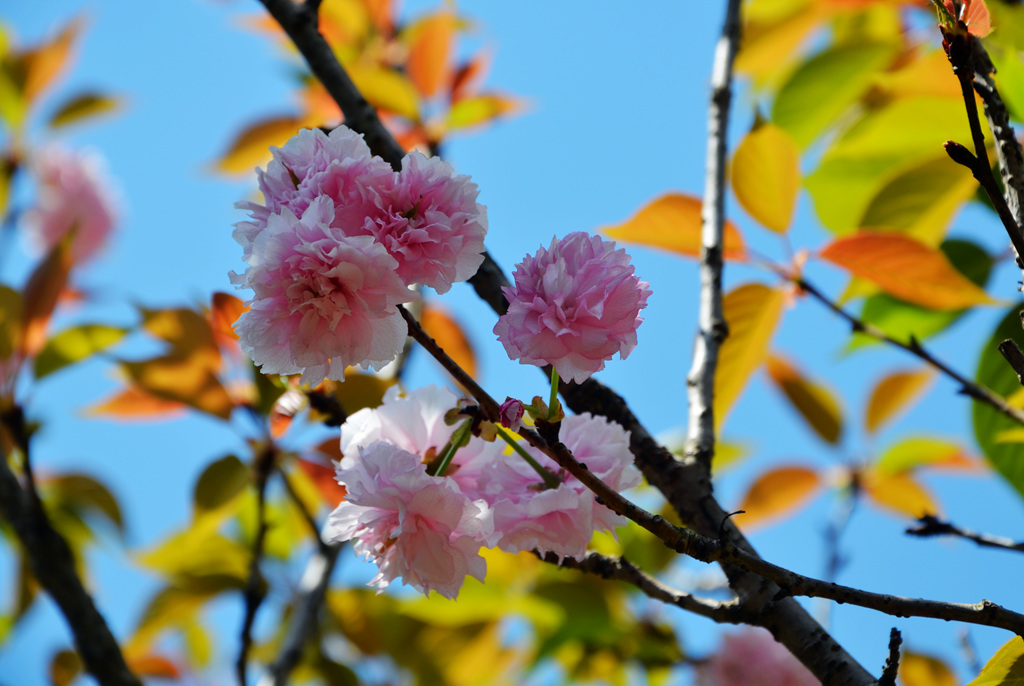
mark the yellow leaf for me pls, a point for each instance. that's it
(925, 670)
(913, 452)
(777, 492)
(752, 312)
(386, 89)
(45, 63)
(907, 269)
(452, 338)
(83, 106)
(673, 222)
(899, 493)
(766, 176)
(479, 109)
(429, 63)
(815, 403)
(187, 380)
(10, 321)
(251, 148)
(894, 394)
(65, 666)
(771, 41)
(1006, 668)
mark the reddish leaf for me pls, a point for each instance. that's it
(893, 395)
(815, 403)
(42, 292)
(906, 268)
(135, 404)
(154, 666)
(429, 63)
(777, 492)
(673, 222)
(452, 338)
(323, 477)
(469, 77)
(225, 310)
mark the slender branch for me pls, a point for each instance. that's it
(933, 526)
(53, 565)
(1014, 357)
(712, 328)
(301, 506)
(255, 590)
(967, 387)
(892, 663)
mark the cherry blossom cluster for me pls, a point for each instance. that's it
(752, 657)
(429, 530)
(337, 243)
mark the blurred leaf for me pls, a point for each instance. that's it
(752, 312)
(178, 607)
(386, 89)
(1010, 78)
(10, 321)
(43, 64)
(7, 170)
(925, 74)
(74, 345)
(995, 374)
(323, 477)
(894, 394)
(83, 106)
(672, 222)
(251, 148)
(825, 86)
(766, 176)
(358, 391)
(922, 451)
(225, 309)
(198, 644)
(777, 492)
(41, 294)
(184, 380)
(154, 666)
(469, 76)
(906, 268)
(429, 62)
(899, 493)
(13, 105)
(816, 403)
(83, 492)
(924, 670)
(772, 41)
(65, 666)
(199, 552)
(726, 455)
(219, 483)
(479, 109)
(134, 403)
(448, 334)
(1006, 668)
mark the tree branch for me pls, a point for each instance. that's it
(933, 526)
(712, 328)
(892, 663)
(53, 566)
(263, 466)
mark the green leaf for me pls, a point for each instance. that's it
(919, 451)
(996, 374)
(81, 493)
(1006, 668)
(219, 483)
(74, 345)
(825, 86)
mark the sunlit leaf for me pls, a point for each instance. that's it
(777, 492)
(198, 644)
(894, 394)
(41, 294)
(225, 310)
(186, 380)
(82, 492)
(766, 176)
(198, 552)
(925, 670)
(44, 63)
(219, 483)
(429, 62)
(74, 345)
(922, 451)
(135, 404)
(771, 41)
(65, 666)
(155, 666)
(448, 334)
(994, 373)
(479, 109)
(1006, 668)
(906, 268)
(925, 74)
(673, 222)
(816, 403)
(386, 89)
(899, 493)
(81, 107)
(752, 313)
(251, 148)
(824, 87)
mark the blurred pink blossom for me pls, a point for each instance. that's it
(414, 526)
(74, 195)
(574, 305)
(323, 300)
(752, 657)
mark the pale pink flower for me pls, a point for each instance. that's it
(74, 195)
(511, 413)
(752, 657)
(574, 305)
(412, 525)
(313, 164)
(323, 301)
(431, 223)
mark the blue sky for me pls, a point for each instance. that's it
(616, 99)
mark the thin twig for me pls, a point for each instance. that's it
(892, 663)
(307, 516)
(711, 326)
(933, 526)
(255, 590)
(967, 387)
(53, 565)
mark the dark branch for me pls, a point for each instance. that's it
(933, 526)
(892, 663)
(255, 587)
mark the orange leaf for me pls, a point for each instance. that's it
(673, 222)
(133, 403)
(894, 394)
(322, 477)
(187, 380)
(429, 63)
(766, 176)
(777, 492)
(906, 268)
(154, 666)
(44, 64)
(42, 292)
(452, 338)
(899, 493)
(925, 670)
(815, 403)
(188, 332)
(752, 312)
(251, 148)
(225, 310)
(469, 76)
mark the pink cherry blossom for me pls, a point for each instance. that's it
(431, 223)
(413, 526)
(511, 413)
(74, 195)
(323, 300)
(313, 164)
(752, 657)
(574, 305)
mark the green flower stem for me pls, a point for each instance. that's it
(553, 400)
(458, 439)
(550, 480)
